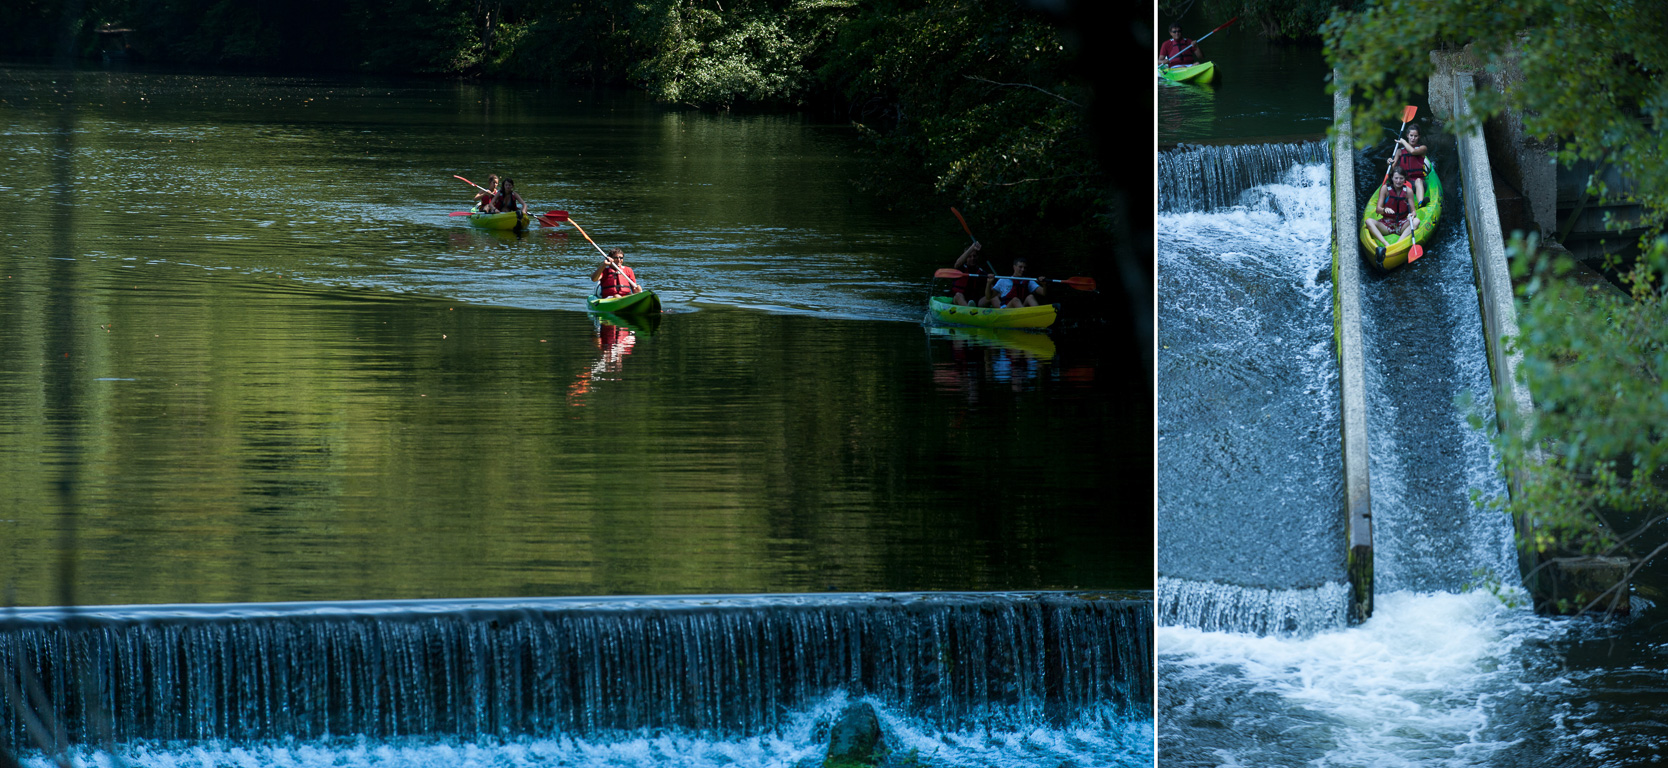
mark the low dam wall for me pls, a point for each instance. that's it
(497, 668)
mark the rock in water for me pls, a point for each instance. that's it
(855, 738)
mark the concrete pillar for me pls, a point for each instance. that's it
(1352, 377)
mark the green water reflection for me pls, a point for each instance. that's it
(315, 385)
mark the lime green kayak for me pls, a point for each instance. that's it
(506, 220)
(631, 303)
(1429, 213)
(945, 310)
(1193, 73)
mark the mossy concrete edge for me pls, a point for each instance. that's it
(1352, 376)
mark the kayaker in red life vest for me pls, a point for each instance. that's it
(483, 201)
(1412, 160)
(969, 290)
(1395, 206)
(613, 277)
(1011, 293)
(506, 200)
(1176, 44)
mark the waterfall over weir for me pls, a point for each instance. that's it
(582, 667)
(1250, 478)
(1206, 178)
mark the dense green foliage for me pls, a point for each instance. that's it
(1587, 73)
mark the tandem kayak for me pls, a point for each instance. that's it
(632, 303)
(506, 220)
(1194, 73)
(1396, 254)
(946, 310)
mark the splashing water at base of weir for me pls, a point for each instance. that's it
(1250, 480)
(492, 669)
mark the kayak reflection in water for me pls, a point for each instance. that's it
(1016, 291)
(614, 343)
(613, 277)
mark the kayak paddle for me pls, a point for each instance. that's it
(1080, 283)
(1415, 252)
(1200, 40)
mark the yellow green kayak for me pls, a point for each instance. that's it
(1193, 73)
(945, 310)
(506, 220)
(1396, 254)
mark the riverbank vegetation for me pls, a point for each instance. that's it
(969, 102)
(1586, 77)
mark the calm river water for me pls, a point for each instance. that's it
(246, 355)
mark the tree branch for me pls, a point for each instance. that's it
(1026, 85)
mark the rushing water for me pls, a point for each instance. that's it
(1248, 414)
(246, 357)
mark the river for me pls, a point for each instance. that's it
(246, 356)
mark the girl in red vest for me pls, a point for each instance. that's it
(1395, 209)
(969, 290)
(1412, 160)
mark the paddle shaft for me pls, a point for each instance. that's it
(1200, 40)
(1080, 283)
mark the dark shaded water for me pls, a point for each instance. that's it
(1262, 89)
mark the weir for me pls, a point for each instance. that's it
(727, 665)
(1248, 392)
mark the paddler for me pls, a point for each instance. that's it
(613, 277)
(1177, 45)
(1395, 209)
(506, 200)
(1411, 160)
(483, 201)
(969, 290)
(1013, 292)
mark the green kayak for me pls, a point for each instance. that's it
(632, 303)
(506, 220)
(1193, 73)
(945, 310)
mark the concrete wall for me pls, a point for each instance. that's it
(1512, 405)
(1352, 377)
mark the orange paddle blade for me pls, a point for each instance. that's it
(949, 274)
(1408, 112)
(963, 221)
(1080, 283)
(1414, 253)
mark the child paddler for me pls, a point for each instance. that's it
(969, 290)
(1012, 292)
(1395, 209)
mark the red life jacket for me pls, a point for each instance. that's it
(614, 283)
(1018, 289)
(1170, 47)
(968, 286)
(1410, 163)
(1397, 200)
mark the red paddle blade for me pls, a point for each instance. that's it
(556, 216)
(1408, 112)
(949, 274)
(963, 221)
(460, 213)
(1080, 283)
(1414, 253)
